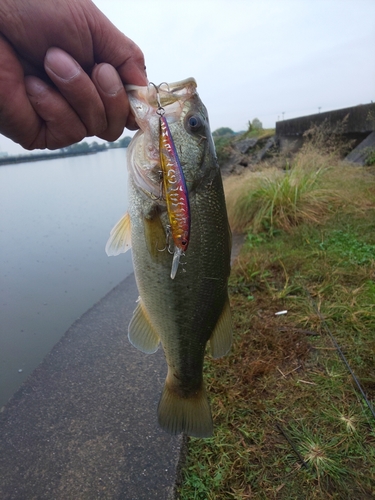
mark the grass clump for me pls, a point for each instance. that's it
(289, 421)
(280, 199)
(306, 190)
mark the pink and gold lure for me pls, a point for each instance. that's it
(175, 191)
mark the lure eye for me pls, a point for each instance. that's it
(194, 123)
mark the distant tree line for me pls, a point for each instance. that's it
(255, 124)
(93, 147)
(222, 131)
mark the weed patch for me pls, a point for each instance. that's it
(348, 247)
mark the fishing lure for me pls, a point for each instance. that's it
(175, 189)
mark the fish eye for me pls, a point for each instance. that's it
(194, 122)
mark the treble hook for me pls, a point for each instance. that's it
(160, 111)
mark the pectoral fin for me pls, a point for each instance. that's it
(221, 338)
(120, 237)
(141, 333)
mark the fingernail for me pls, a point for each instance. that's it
(60, 63)
(108, 79)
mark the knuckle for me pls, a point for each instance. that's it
(97, 126)
(110, 135)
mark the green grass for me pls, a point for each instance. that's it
(346, 246)
(370, 156)
(283, 378)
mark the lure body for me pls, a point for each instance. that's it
(175, 192)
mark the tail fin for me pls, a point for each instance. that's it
(191, 415)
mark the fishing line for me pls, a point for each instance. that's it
(341, 354)
(293, 446)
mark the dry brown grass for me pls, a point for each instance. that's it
(312, 186)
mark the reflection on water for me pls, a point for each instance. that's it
(55, 220)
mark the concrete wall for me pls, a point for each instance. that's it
(361, 120)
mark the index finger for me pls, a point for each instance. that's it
(118, 50)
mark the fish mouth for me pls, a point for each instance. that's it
(169, 93)
(145, 102)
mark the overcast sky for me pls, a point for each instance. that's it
(255, 58)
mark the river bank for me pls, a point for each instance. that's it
(10, 160)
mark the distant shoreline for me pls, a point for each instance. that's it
(10, 160)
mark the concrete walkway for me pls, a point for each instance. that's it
(84, 425)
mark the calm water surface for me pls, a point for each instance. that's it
(56, 216)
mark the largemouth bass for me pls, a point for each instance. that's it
(185, 312)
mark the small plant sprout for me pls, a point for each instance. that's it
(322, 457)
(349, 422)
(316, 456)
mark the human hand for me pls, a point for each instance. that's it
(62, 69)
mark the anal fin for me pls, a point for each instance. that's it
(221, 338)
(140, 332)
